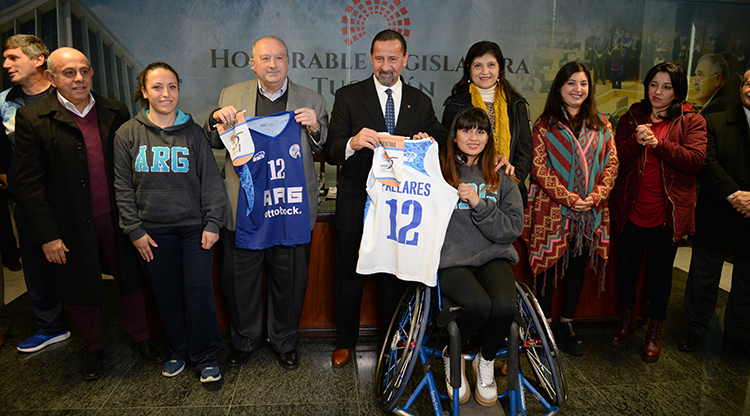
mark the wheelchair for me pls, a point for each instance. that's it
(417, 317)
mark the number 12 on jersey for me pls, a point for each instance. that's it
(412, 209)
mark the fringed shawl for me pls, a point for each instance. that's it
(566, 166)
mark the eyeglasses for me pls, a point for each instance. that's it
(700, 75)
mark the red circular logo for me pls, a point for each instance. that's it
(357, 12)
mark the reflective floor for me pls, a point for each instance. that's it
(606, 380)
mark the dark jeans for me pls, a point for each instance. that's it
(572, 283)
(659, 249)
(487, 296)
(616, 77)
(182, 279)
(50, 315)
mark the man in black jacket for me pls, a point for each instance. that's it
(64, 181)
(722, 225)
(359, 113)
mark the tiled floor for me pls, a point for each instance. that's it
(606, 380)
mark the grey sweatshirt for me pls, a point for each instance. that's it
(483, 233)
(166, 177)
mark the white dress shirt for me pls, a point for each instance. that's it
(397, 93)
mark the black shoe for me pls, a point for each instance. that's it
(568, 339)
(238, 357)
(689, 342)
(149, 351)
(742, 346)
(92, 364)
(288, 360)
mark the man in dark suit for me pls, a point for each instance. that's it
(381, 103)
(64, 181)
(722, 225)
(242, 275)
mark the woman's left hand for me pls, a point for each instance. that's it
(502, 162)
(208, 240)
(468, 194)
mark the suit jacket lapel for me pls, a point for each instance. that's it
(738, 116)
(371, 104)
(291, 96)
(252, 97)
(53, 105)
(405, 111)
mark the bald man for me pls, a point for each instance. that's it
(64, 181)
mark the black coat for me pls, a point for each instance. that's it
(725, 99)
(52, 184)
(357, 106)
(520, 131)
(727, 169)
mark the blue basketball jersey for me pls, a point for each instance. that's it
(272, 208)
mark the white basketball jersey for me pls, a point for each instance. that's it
(408, 208)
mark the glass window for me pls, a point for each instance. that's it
(49, 29)
(75, 28)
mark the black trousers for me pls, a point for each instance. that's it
(659, 249)
(242, 282)
(572, 284)
(702, 291)
(487, 296)
(350, 286)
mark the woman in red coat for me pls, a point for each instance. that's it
(661, 143)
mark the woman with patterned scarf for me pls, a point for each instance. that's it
(573, 170)
(483, 85)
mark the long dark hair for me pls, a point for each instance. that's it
(451, 156)
(678, 78)
(475, 51)
(141, 80)
(553, 108)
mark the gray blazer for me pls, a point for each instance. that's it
(242, 96)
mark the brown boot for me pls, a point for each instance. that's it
(624, 326)
(652, 349)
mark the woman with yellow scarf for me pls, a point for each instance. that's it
(484, 86)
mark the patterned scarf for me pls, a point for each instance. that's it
(579, 161)
(501, 129)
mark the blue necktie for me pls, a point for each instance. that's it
(390, 113)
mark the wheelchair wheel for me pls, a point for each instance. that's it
(400, 349)
(540, 348)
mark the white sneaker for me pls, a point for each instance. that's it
(484, 374)
(463, 390)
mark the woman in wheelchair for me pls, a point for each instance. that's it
(474, 269)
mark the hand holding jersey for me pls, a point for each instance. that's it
(408, 208)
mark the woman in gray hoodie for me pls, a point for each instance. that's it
(171, 201)
(475, 261)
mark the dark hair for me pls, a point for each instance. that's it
(141, 80)
(475, 51)
(388, 34)
(553, 108)
(451, 155)
(678, 78)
